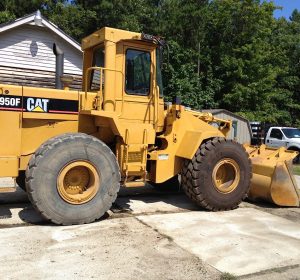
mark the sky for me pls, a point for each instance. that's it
(288, 7)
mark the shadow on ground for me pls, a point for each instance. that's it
(154, 198)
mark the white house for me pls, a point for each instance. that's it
(26, 55)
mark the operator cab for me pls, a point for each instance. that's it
(124, 69)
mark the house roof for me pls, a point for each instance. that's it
(29, 19)
(218, 111)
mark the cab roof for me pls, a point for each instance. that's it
(108, 34)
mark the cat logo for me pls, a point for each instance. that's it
(37, 105)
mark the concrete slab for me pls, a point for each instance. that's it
(242, 241)
(111, 249)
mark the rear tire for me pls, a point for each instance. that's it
(73, 179)
(218, 176)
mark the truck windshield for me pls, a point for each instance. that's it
(291, 132)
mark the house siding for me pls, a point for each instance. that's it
(35, 78)
(26, 57)
(30, 47)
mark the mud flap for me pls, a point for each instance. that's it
(272, 178)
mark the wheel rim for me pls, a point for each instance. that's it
(226, 175)
(78, 182)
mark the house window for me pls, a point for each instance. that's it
(235, 128)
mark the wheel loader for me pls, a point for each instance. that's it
(71, 151)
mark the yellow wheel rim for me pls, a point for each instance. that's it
(78, 182)
(226, 175)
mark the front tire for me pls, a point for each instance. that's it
(73, 179)
(218, 176)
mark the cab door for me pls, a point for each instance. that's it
(138, 83)
(276, 138)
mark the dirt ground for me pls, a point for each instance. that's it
(151, 234)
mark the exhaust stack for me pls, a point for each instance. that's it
(59, 66)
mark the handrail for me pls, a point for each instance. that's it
(99, 96)
(156, 93)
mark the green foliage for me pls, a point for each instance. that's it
(296, 170)
(6, 16)
(223, 53)
(227, 276)
(181, 79)
(74, 20)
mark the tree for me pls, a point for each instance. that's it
(223, 53)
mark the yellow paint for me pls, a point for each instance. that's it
(78, 182)
(272, 178)
(38, 109)
(226, 175)
(9, 166)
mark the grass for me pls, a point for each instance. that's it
(296, 169)
(227, 276)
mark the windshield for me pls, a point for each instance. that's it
(291, 132)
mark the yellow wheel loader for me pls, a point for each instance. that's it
(71, 151)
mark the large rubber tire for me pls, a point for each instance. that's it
(46, 165)
(21, 180)
(197, 175)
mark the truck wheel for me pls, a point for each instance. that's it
(21, 180)
(218, 176)
(73, 179)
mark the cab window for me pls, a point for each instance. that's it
(276, 133)
(98, 61)
(137, 72)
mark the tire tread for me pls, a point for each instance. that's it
(41, 154)
(194, 169)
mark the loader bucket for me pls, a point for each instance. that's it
(272, 178)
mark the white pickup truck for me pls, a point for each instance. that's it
(288, 137)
